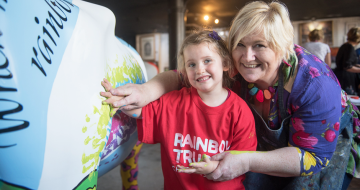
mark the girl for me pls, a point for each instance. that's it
(204, 117)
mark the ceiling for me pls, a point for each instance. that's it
(147, 16)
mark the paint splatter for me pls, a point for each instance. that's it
(127, 71)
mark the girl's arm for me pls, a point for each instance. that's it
(137, 96)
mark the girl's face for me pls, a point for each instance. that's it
(204, 67)
(255, 61)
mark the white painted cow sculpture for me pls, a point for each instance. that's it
(54, 131)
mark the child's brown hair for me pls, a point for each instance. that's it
(212, 39)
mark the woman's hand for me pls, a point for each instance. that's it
(133, 96)
(232, 164)
(205, 166)
(139, 95)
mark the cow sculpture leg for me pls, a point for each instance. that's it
(129, 169)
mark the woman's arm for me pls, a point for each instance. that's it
(354, 69)
(137, 96)
(283, 162)
(328, 59)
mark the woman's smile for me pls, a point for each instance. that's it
(251, 65)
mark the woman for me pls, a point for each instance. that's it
(297, 126)
(318, 48)
(347, 67)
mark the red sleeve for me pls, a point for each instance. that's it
(244, 135)
(148, 126)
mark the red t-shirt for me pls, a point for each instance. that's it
(187, 128)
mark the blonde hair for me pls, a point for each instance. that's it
(205, 36)
(354, 34)
(271, 19)
(316, 35)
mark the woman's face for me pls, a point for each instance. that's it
(255, 61)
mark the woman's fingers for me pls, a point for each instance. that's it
(218, 157)
(106, 94)
(124, 90)
(111, 100)
(135, 97)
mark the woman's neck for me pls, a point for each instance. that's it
(353, 43)
(263, 85)
(214, 98)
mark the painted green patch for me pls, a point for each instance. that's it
(8, 186)
(89, 182)
(84, 129)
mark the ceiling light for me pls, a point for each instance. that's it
(216, 21)
(206, 17)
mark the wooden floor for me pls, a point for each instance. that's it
(355, 184)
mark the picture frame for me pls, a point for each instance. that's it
(325, 26)
(147, 47)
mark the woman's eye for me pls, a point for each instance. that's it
(240, 44)
(259, 45)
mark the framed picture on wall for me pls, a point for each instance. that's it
(325, 26)
(147, 47)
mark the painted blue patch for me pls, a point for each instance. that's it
(34, 36)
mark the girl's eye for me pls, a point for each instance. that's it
(192, 65)
(207, 61)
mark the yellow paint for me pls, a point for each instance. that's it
(241, 152)
(205, 165)
(87, 140)
(87, 118)
(305, 174)
(84, 129)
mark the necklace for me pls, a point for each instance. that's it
(261, 94)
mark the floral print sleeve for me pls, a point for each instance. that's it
(315, 106)
(315, 122)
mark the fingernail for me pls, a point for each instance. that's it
(191, 164)
(115, 104)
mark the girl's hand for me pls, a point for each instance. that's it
(232, 164)
(110, 98)
(205, 166)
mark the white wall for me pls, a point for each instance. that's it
(340, 28)
(161, 49)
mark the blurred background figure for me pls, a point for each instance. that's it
(358, 54)
(347, 66)
(315, 46)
